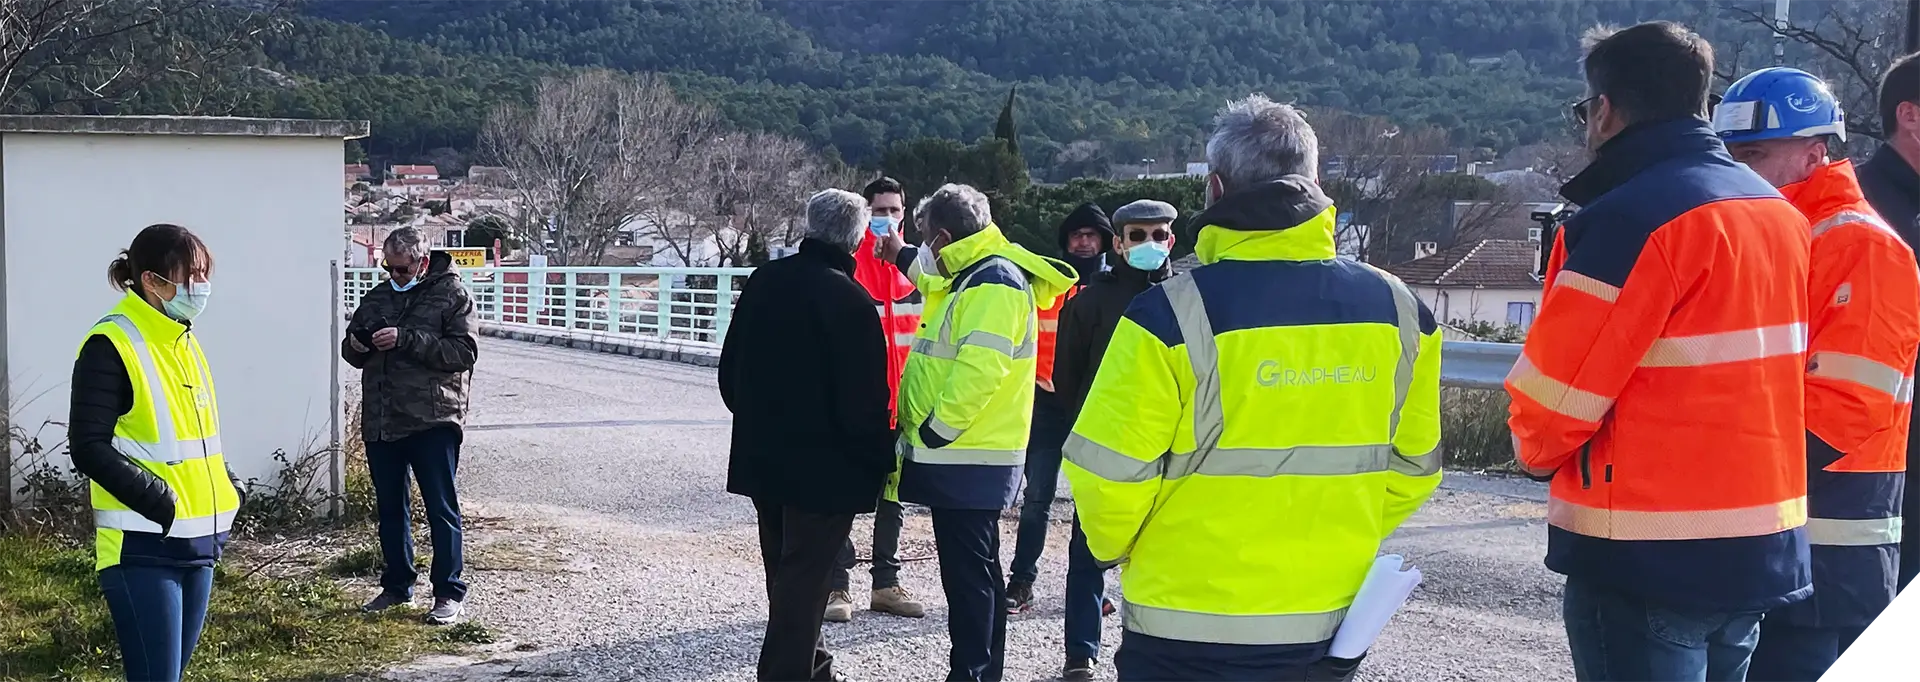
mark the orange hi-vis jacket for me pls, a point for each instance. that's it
(899, 305)
(1864, 296)
(1049, 335)
(1661, 383)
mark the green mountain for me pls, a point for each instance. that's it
(1143, 78)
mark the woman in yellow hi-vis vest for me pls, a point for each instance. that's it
(145, 429)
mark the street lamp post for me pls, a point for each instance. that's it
(1913, 26)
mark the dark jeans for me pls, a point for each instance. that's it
(158, 612)
(432, 456)
(1145, 658)
(968, 542)
(1791, 653)
(1620, 636)
(887, 518)
(1049, 431)
(1086, 590)
(799, 549)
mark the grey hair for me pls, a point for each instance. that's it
(405, 240)
(959, 209)
(1257, 140)
(837, 217)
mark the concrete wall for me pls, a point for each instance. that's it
(268, 207)
(1464, 305)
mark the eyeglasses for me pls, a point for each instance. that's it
(1577, 112)
(1159, 234)
(396, 269)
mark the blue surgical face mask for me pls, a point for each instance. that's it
(188, 300)
(397, 286)
(1148, 256)
(880, 226)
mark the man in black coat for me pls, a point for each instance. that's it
(1891, 180)
(804, 371)
(1142, 245)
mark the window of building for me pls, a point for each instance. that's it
(454, 238)
(1520, 313)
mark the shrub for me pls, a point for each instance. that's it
(1473, 429)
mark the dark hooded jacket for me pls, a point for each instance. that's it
(1086, 215)
(421, 383)
(1087, 323)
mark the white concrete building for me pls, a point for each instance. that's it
(1490, 281)
(76, 190)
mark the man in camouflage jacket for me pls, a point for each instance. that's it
(412, 340)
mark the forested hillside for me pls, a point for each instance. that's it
(1140, 77)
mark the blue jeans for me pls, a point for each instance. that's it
(432, 456)
(1086, 590)
(1620, 636)
(158, 612)
(1793, 653)
(1049, 431)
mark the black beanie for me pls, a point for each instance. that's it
(1087, 215)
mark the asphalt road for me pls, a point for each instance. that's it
(605, 548)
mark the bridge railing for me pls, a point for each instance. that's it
(679, 305)
(692, 306)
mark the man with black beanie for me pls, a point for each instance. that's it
(1084, 236)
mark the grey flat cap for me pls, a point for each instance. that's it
(1145, 211)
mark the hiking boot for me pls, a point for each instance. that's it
(839, 607)
(386, 600)
(445, 612)
(1019, 597)
(1078, 670)
(897, 601)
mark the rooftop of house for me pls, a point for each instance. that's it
(1482, 264)
(413, 170)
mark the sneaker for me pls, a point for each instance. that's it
(445, 612)
(1019, 597)
(839, 607)
(1078, 670)
(386, 600)
(897, 601)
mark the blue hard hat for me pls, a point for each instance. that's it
(1777, 103)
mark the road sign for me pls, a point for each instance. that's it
(467, 257)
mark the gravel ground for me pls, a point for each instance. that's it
(606, 549)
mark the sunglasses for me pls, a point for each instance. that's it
(1159, 235)
(1579, 111)
(396, 269)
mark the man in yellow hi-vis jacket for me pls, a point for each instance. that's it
(965, 403)
(1308, 425)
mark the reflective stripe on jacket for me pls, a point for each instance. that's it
(172, 431)
(1669, 351)
(1864, 300)
(1257, 427)
(899, 305)
(966, 399)
(1049, 336)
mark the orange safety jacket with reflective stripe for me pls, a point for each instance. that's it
(899, 305)
(1661, 383)
(1049, 334)
(1864, 298)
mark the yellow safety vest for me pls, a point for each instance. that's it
(1244, 466)
(172, 431)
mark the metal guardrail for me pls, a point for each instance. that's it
(1476, 364)
(681, 305)
(626, 302)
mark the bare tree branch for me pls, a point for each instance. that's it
(157, 56)
(1855, 41)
